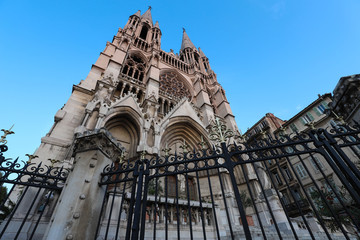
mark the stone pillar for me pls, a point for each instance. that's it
(276, 208)
(93, 151)
(152, 82)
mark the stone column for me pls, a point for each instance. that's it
(93, 151)
(276, 208)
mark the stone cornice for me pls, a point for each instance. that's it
(201, 90)
(96, 66)
(110, 43)
(229, 114)
(83, 90)
(99, 139)
(222, 102)
(55, 141)
(105, 54)
(206, 104)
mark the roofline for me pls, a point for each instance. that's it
(320, 98)
(261, 119)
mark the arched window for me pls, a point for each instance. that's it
(134, 67)
(144, 32)
(126, 90)
(160, 105)
(139, 96)
(125, 130)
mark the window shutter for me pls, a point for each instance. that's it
(325, 104)
(298, 171)
(310, 116)
(317, 111)
(302, 120)
(293, 127)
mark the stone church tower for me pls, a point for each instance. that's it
(145, 97)
(136, 100)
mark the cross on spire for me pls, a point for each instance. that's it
(150, 8)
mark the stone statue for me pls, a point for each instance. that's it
(263, 176)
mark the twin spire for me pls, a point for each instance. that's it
(186, 42)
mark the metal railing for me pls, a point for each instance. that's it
(34, 189)
(228, 191)
(225, 209)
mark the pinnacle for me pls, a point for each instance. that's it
(137, 13)
(186, 42)
(157, 24)
(201, 53)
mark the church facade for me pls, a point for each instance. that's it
(137, 101)
(145, 97)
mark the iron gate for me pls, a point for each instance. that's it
(304, 186)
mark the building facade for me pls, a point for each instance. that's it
(136, 137)
(346, 100)
(299, 177)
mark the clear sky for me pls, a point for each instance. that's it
(269, 55)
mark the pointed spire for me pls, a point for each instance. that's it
(137, 13)
(186, 42)
(147, 15)
(157, 25)
(201, 53)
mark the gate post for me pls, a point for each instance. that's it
(79, 205)
(230, 167)
(137, 211)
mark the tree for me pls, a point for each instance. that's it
(334, 206)
(152, 187)
(6, 209)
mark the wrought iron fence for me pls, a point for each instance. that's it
(302, 186)
(34, 188)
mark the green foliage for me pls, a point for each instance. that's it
(246, 201)
(6, 209)
(335, 207)
(152, 187)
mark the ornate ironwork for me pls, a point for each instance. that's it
(166, 150)
(31, 157)
(53, 161)
(28, 181)
(219, 132)
(121, 158)
(32, 174)
(6, 132)
(184, 147)
(202, 144)
(142, 174)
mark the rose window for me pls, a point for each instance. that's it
(172, 86)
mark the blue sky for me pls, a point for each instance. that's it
(270, 55)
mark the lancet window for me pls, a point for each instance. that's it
(134, 67)
(144, 32)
